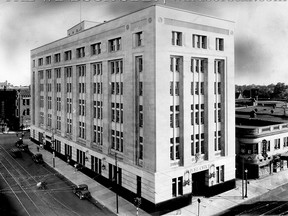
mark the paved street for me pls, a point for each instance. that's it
(19, 194)
(273, 202)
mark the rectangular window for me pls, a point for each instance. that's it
(140, 88)
(48, 60)
(139, 64)
(199, 41)
(57, 58)
(197, 88)
(80, 52)
(220, 44)
(138, 39)
(96, 48)
(219, 87)
(177, 88)
(285, 141)
(180, 185)
(68, 55)
(177, 186)
(202, 88)
(199, 65)
(174, 187)
(277, 143)
(176, 38)
(219, 66)
(40, 61)
(114, 44)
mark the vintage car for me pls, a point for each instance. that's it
(37, 158)
(19, 144)
(16, 152)
(81, 191)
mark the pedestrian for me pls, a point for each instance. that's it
(37, 148)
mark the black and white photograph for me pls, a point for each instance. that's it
(143, 107)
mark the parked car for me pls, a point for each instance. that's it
(81, 191)
(23, 147)
(16, 152)
(37, 158)
(19, 142)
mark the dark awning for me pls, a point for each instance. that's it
(284, 156)
(264, 163)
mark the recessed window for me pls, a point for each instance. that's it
(199, 41)
(68, 55)
(139, 39)
(220, 44)
(176, 38)
(80, 52)
(57, 58)
(114, 44)
(96, 49)
(40, 61)
(48, 60)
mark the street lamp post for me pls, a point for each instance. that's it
(246, 175)
(53, 147)
(116, 182)
(199, 201)
(242, 177)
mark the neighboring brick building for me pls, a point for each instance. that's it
(152, 89)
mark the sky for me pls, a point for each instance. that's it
(261, 31)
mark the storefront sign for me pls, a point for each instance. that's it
(199, 168)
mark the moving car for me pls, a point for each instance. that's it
(81, 191)
(37, 158)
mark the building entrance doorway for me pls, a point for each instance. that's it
(198, 183)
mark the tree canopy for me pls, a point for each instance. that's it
(272, 91)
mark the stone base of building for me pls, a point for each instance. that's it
(146, 205)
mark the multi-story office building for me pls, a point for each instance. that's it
(154, 90)
(261, 139)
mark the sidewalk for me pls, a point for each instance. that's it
(219, 203)
(208, 206)
(101, 194)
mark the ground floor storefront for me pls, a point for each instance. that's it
(263, 168)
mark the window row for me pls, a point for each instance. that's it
(198, 41)
(114, 45)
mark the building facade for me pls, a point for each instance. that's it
(23, 107)
(261, 140)
(8, 118)
(152, 91)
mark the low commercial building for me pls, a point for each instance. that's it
(261, 140)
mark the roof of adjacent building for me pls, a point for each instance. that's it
(262, 115)
(25, 92)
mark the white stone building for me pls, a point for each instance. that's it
(155, 87)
